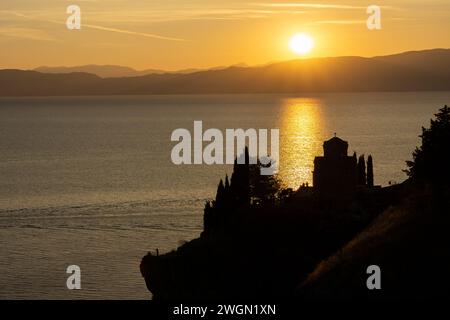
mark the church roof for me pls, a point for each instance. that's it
(335, 147)
(336, 140)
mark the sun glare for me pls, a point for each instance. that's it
(301, 43)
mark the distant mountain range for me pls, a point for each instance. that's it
(108, 71)
(427, 70)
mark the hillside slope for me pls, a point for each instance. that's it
(408, 242)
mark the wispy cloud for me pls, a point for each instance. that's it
(96, 27)
(142, 34)
(25, 33)
(175, 15)
(309, 5)
(339, 22)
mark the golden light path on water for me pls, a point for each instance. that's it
(301, 138)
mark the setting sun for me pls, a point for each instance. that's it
(301, 43)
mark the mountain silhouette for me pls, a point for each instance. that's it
(410, 71)
(108, 71)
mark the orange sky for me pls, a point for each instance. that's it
(180, 34)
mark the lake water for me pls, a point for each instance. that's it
(89, 180)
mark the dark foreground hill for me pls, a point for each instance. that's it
(411, 71)
(410, 244)
(258, 253)
(261, 242)
(313, 253)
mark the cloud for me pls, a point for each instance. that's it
(142, 34)
(340, 22)
(25, 33)
(96, 27)
(156, 16)
(309, 5)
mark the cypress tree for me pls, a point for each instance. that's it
(220, 194)
(370, 171)
(245, 197)
(240, 181)
(361, 171)
(207, 223)
(227, 184)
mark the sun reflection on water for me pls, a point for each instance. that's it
(301, 139)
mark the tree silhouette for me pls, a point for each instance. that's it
(246, 185)
(240, 181)
(370, 171)
(220, 195)
(263, 187)
(227, 183)
(431, 160)
(361, 171)
(207, 217)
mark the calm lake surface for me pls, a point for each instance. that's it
(89, 180)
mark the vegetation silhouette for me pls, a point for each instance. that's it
(261, 241)
(362, 180)
(370, 171)
(431, 160)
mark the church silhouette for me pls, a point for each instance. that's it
(336, 174)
